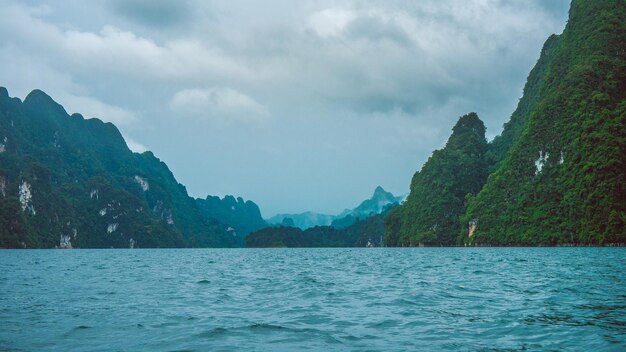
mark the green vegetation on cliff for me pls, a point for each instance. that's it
(557, 171)
(430, 215)
(500, 146)
(70, 182)
(563, 179)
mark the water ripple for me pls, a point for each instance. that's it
(428, 299)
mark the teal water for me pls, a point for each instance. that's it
(466, 299)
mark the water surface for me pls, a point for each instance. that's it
(466, 299)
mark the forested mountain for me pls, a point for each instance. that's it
(378, 202)
(430, 215)
(500, 146)
(564, 178)
(242, 217)
(557, 171)
(66, 181)
(303, 221)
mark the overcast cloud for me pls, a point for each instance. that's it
(297, 105)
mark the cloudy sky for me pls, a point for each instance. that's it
(297, 105)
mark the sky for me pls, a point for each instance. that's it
(297, 105)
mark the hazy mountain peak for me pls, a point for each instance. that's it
(376, 204)
(379, 191)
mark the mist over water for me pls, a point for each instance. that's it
(315, 299)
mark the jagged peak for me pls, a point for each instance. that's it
(379, 191)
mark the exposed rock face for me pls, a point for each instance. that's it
(3, 186)
(163, 213)
(65, 242)
(143, 183)
(112, 227)
(26, 197)
(472, 227)
(541, 161)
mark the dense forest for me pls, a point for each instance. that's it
(66, 181)
(557, 171)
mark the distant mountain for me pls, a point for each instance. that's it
(241, 217)
(303, 220)
(374, 205)
(367, 232)
(66, 181)
(379, 201)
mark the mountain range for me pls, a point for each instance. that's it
(379, 200)
(366, 232)
(67, 181)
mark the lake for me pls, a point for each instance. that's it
(378, 299)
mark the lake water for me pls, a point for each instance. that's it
(466, 299)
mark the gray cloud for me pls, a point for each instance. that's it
(375, 29)
(298, 105)
(155, 13)
(216, 103)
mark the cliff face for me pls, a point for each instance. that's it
(500, 146)
(70, 182)
(561, 159)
